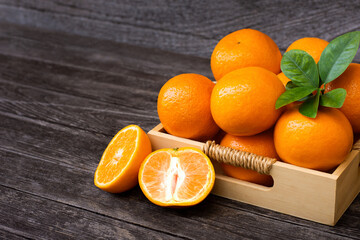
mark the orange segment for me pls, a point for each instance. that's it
(121, 160)
(176, 177)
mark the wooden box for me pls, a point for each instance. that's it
(305, 193)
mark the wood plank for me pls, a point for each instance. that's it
(9, 235)
(29, 215)
(86, 114)
(21, 161)
(132, 90)
(187, 28)
(348, 225)
(96, 54)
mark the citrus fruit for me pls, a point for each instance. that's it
(176, 177)
(313, 46)
(284, 79)
(350, 81)
(260, 144)
(319, 143)
(243, 102)
(119, 165)
(184, 107)
(245, 48)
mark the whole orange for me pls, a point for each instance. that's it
(319, 143)
(313, 46)
(243, 102)
(350, 81)
(260, 144)
(184, 107)
(245, 48)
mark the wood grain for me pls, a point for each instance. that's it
(95, 54)
(9, 235)
(186, 27)
(29, 214)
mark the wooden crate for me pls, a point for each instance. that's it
(305, 193)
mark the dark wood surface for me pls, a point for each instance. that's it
(72, 75)
(186, 27)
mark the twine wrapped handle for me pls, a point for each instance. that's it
(238, 158)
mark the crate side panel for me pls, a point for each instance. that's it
(348, 184)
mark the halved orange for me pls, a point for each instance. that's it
(119, 165)
(176, 177)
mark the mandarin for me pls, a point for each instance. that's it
(319, 143)
(313, 46)
(260, 144)
(245, 48)
(184, 107)
(243, 102)
(350, 81)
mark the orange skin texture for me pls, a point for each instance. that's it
(313, 46)
(321, 143)
(284, 79)
(260, 144)
(243, 102)
(184, 107)
(245, 48)
(350, 81)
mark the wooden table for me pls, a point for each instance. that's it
(66, 88)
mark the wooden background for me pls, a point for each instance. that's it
(186, 27)
(72, 73)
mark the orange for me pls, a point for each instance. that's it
(184, 107)
(260, 144)
(350, 81)
(243, 102)
(119, 165)
(245, 48)
(313, 46)
(284, 79)
(319, 143)
(176, 177)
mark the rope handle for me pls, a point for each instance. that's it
(238, 158)
(243, 159)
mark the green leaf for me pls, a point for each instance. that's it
(293, 95)
(310, 107)
(337, 56)
(290, 85)
(300, 68)
(334, 98)
(305, 98)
